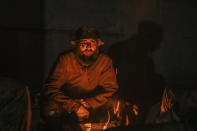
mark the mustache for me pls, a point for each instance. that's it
(88, 50)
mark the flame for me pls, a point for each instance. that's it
(117, 109)
(116, 71)
(127, 120)
(117, 113)
(107, 123)
(86, 126)
(135, 110)
(167, 98)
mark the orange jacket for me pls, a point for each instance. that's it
(70, 81)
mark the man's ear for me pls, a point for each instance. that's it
(73, 42)
(100, 42)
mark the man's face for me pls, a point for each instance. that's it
(87, 46)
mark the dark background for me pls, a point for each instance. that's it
(33, 33)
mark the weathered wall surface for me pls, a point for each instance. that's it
(36, 32)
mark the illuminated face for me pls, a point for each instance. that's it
(87, 46)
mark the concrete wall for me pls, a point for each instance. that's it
(34, 33)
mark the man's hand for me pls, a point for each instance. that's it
(82, 113)
(84, 103)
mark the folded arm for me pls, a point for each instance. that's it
(52, 88)
(109, 86)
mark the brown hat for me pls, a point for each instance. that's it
(86, 32)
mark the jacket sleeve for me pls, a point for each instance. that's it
(109, 85)
(52, 88)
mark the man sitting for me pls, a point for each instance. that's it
(82, 81)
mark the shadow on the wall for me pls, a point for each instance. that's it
(139, 83)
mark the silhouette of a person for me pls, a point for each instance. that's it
(139, 83)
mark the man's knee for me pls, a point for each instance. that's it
(51, 110)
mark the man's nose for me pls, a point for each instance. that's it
(88, 45)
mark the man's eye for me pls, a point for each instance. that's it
(82, 45)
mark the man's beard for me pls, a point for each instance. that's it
(89, 59)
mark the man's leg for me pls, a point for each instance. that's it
(57, 119)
